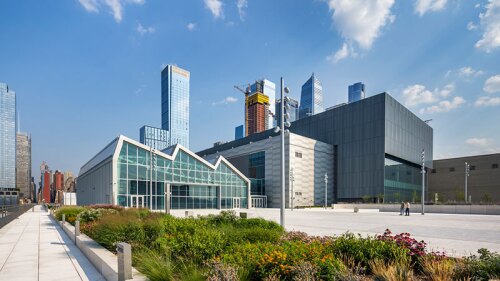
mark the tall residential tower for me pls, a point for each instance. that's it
(356, 92)
(311, 98)
(23, 166)
(7, 137)
(175, 104)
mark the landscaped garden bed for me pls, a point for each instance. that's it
(226, 247)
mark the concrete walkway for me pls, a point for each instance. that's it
(34, 247)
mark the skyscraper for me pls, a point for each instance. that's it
(239, 132)
(311, 98)
(267, 88)
(155, 138)
(23, 165)
(356, 92)
(293, 111)
(257, 106)
(7, 137)
(175, 104)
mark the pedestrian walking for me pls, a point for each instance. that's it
(407, 206)
(402, 208)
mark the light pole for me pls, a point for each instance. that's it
(152, 159)
(423, 181)
(467, 167)
(292, 180)
(326, 190)
(281, 128)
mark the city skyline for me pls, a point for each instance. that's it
(439, 60)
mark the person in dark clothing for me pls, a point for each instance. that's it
(407, 207)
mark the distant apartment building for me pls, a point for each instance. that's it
(58, 186)
(7, 138)
(356, 92)
(311, 98)
(257, 107)
(23, 166)
(45, 184)
(293, 111)
(155, 138)
(447, 179)
(175, 104)
(239, 132)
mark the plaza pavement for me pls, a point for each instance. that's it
(457, 235)
(34, 247)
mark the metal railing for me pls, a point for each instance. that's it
(9, 213)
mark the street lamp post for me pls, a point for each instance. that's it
(326, 190)
(423, 181)
(467, 167)
(281, 128)
(291, 181)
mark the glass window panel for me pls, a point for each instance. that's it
(132, 171)
(122, 187)
(122, 170)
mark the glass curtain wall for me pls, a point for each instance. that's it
(402, 182)
(193, 184)
(256, 172)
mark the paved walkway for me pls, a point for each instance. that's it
(34, 247)
(457, 235)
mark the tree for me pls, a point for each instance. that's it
(459, 196)
(486, 198)
(366, 198)
(380, 198)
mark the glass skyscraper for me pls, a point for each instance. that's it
(155, 138)
(311, 98)
(175, 104)
(293, 111)
(356, 92)
(7, 137)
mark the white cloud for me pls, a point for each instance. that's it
(471, 26)
(191, 26)
(342, 53)
(444, 106)
(144, 30)
(492, 85)
(242, 4)
(487, 101)
(468, 71)
(490, 24)
(227, 100)
(215, 7)
(90, 5)
(417, 94)
(482, 142)
(424, 6)
(360, 21)
(115, 6)
(446, 91)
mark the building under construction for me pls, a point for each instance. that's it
(256, 108)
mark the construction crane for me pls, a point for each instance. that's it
(246, 93)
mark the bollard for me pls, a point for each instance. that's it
(124, 252)
(356, 209)
(33, 209)
(63, 219)
(77, 228)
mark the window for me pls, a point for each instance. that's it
(472, 168)
(452, 169)
(298, 154)
(494, 166)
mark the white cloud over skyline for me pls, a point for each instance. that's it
(359, 22)
(424, 6)
(215, 7)
(492, 84)
(144, 30)
(226, 100)
(242, 4)
(487, 101)
(115, 6)
(417, 94)
(191, 26)
(468, 72)
(490, 24)
(443, 106)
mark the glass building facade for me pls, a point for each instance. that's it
(402, 181)
(154, 137)
(7, 137)
(356, 92)
(143, 177)
(175, 104)
(257, 172)
(293, 111)
(311, 98)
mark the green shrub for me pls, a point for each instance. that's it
(486, 266)
(70, 213)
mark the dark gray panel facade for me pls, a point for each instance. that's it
(362, 133)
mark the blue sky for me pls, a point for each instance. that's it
(86, 71)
